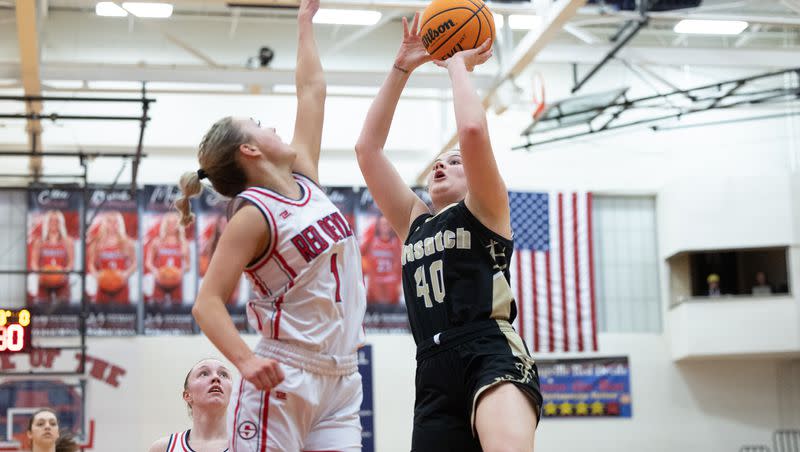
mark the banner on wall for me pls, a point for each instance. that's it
(591, 387)
(112, 277)
(169, 254)
(380, 262)
(367, 415)
(54, 245)
(211, 218)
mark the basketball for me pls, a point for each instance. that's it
(110, 281)
(450, 26)
(52, 280)
(169, 277)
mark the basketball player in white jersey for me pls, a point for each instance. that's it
(206, 391)
(300, 390)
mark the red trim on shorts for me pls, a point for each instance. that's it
(236, 415)
(280, 198)
(265, 423)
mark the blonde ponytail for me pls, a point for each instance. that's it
(190, 187)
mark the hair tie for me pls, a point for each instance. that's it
(201, 174)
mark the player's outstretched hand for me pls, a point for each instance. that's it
(412, 53)
(263, 373)
(308, 8)
(470, 58)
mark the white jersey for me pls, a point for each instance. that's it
(308, 285)
(179, 442)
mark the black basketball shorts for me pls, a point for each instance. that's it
(453, 370)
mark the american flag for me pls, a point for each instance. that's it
(552, 272)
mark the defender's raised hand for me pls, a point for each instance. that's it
(307, 9)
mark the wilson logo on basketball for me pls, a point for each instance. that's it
(433, 33)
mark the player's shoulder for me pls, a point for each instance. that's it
(160, 445)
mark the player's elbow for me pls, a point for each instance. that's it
(471, 130)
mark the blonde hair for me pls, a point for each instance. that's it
(162, 228)
(217, 158)
(62, 226)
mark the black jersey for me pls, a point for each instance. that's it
(455, 271)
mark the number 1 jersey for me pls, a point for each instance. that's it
(308, 285)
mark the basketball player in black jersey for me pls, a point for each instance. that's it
(477, 386)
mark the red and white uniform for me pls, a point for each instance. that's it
(384, 274)
(179, 442)
(309, 307)
(53, 254)
(112, 258)
(168, 255)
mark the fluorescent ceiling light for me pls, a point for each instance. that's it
(518, 21)
(109, 9)
(152, 10)
(710, 27)
(347, 17)
(63, 84)
(181, 86)
(114, 85)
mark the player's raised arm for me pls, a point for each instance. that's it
(391, 193)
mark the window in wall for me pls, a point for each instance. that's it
(13, 208)
(626, 264)
(759, 272)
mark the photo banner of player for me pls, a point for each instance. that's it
(592, 387)
(169, 276)
(54, 245)
(211, 218)
(380, 262)
(112, 276)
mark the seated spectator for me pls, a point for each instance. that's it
(761, 287)
(713, 285)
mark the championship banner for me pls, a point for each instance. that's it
(54, 245)
(380, 261)
(112, 277)
(211, 218)
(593, 387)
(366, 413)
(169, 254)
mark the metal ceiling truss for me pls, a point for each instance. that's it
(38, 116)
(611, 107)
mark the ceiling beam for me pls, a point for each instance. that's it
(28, 39)
(555, 17)
(225, 75)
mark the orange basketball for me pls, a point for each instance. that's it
(169, 277)
(449, 26)
(110, 281)
(52, 280)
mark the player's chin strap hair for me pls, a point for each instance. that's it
(201, 174)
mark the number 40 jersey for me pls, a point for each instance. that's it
(455, 271)
(308, 285)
